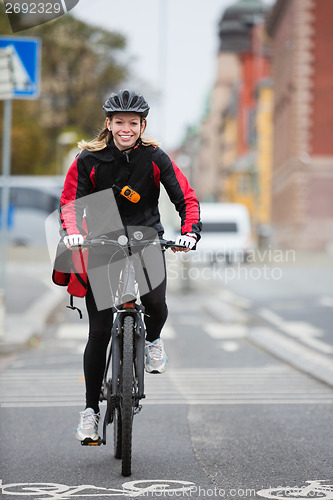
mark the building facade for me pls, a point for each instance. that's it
(302, 176)
(228, 166)
(209, 178)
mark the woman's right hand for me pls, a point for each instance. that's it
(73, 240)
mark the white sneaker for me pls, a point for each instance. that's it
(88, 426)
(155, 357)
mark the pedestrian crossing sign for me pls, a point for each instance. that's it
(20, 67)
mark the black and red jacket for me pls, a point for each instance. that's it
(144, 168)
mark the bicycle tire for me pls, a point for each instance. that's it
(126, 412)
(117, 435)
(110, 404)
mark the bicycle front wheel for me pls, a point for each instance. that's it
(117, 433)
(126, 409)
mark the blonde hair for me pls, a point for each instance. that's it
(104, 137)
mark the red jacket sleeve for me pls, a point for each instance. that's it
(79, 182)
(180, 193)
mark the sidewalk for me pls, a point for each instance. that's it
(30, 297)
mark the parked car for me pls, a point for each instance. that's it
(31, 200)
(226, 234)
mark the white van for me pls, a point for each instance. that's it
(226, 233)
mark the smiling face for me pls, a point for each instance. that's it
(126, 129)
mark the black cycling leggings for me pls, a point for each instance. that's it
(100, 324)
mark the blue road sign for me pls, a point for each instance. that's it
(24, 55)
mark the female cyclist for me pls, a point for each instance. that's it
(117, 155)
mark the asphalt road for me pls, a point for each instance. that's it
(227, 419)
(292, 292)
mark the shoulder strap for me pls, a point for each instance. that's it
(71, 306)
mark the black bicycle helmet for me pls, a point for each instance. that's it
(126, 101)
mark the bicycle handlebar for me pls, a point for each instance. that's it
(132, 242)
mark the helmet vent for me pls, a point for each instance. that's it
(125, 99)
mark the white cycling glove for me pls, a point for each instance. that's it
(188, 240)
(74, 239)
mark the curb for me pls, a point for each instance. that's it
(301, 357)
(277, 344)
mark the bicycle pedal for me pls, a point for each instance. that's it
(92, 442)
(137, 409)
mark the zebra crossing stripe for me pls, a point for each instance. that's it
(272, 384)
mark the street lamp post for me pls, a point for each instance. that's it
(162, 68)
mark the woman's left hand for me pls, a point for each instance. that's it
(187, 242)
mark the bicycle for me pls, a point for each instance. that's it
(124, 389)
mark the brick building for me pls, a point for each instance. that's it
(228, 165)
(302, 179)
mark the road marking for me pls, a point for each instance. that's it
(49, 361)
(41, 388)
(168, 333)
(293, 352)
(312, 489)
(222, 311)
(73, 331)
(272, 317)
(131, 489)
(325, 301)
(300, 328)
(271, 384)
(225, 330)
(229, 346)
(303, 331)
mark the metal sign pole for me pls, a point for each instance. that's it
(20, 79)
(6, 150)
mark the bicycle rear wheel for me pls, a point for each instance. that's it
(126, 404)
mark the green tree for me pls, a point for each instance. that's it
(80, 65)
